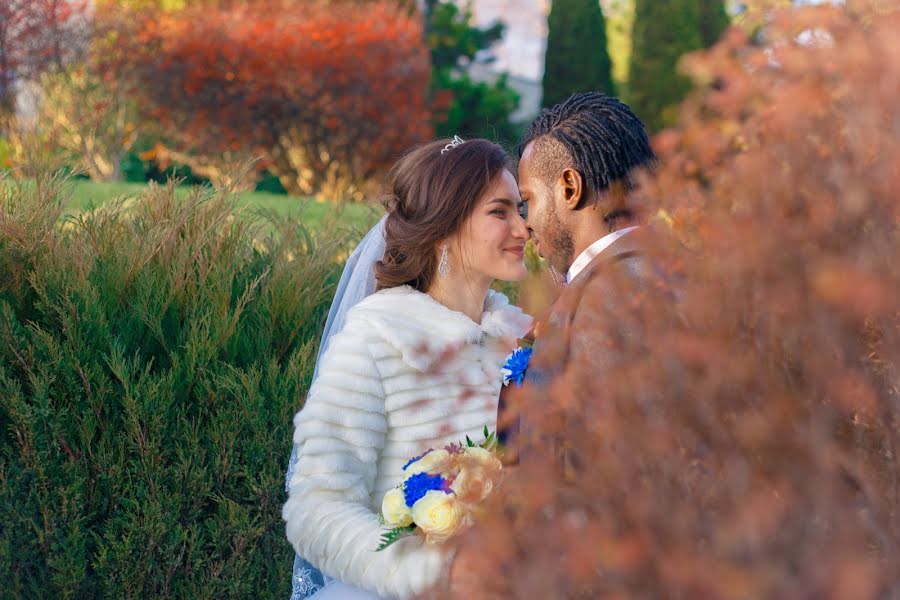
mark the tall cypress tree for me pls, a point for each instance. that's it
(577, 59)
(662, 33)
(714, 20)
(476, 108)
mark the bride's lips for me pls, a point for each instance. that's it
(517, 250)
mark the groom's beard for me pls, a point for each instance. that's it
(562, 247)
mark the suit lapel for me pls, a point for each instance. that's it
(625, 247)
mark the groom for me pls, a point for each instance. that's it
(576, 163)
(575, 177)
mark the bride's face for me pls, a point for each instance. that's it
(491, 243)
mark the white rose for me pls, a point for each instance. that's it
(394, 509)
(472, 485)
(486, 457)
(428, 463)
(438, 514)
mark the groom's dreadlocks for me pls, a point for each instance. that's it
(594, 133)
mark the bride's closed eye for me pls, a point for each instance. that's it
(502, 206)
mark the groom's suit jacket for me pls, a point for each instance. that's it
(586, 330)
(572, 332)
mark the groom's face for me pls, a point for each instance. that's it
(545, 208)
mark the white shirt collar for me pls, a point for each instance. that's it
(593, 250)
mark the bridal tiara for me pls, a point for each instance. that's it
(457, 141)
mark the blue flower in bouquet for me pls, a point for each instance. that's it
(516, 365)
(420, 484)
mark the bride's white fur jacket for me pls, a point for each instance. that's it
(404, 375)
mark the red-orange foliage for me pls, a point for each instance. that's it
(327, 93)
(746, 445)
(36, 35)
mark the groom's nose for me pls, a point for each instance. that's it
(528, 229)
(521, 230)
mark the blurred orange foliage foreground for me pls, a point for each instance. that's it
(745, 443)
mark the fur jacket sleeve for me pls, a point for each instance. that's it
(329, 518)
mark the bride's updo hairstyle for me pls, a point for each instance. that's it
(430, 195)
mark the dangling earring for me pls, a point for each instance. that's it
(444, 265)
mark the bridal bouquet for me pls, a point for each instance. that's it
(441, 492)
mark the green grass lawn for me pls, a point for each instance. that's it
(87, 194)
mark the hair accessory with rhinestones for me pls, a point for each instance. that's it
(456, 142)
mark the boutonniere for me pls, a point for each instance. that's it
(517, 363)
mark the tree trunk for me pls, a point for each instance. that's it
(105, 169)
(7, 107)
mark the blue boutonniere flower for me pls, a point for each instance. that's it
(516, 365)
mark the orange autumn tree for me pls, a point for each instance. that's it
(37, 36)
(87, 110)
(327, 94)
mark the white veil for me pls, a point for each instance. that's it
(357, 282)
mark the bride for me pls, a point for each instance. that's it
(414, 365)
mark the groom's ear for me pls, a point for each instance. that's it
(572, 188)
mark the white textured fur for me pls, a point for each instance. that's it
(387, 390)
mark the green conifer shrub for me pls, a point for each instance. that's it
(662, 33)
(577, 58)
(152, 354)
